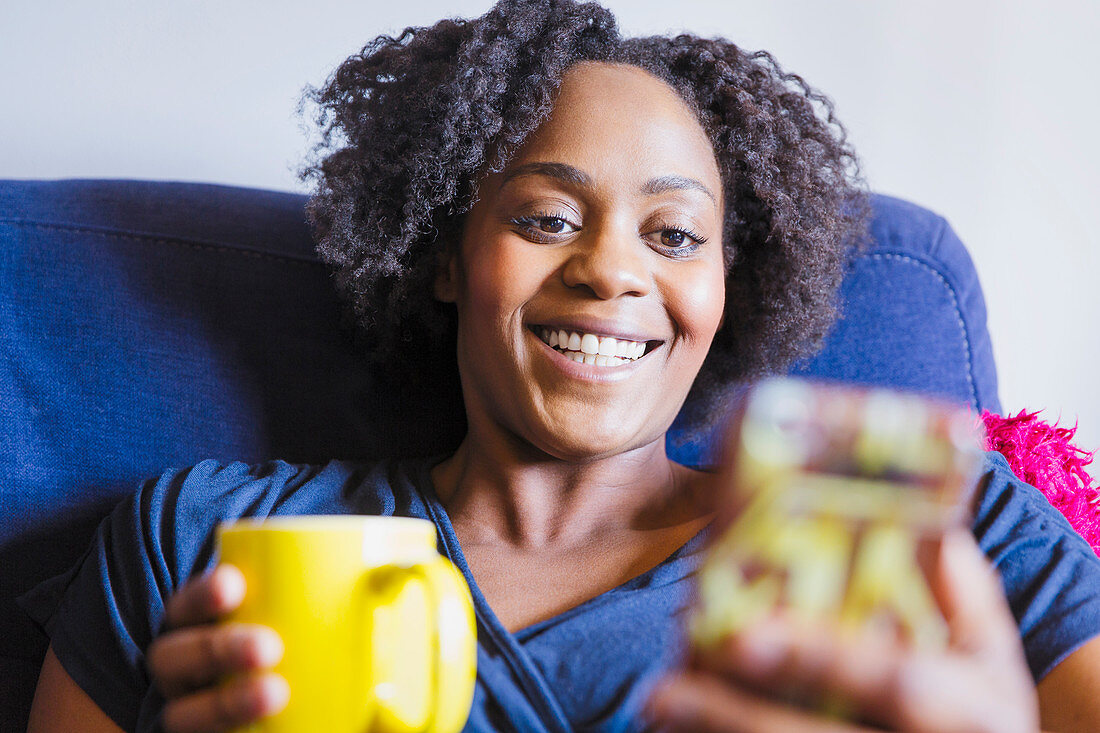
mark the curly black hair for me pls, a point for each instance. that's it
(410, 123)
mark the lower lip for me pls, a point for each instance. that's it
(587, 372)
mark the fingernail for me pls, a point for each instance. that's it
(269, 647)
(259, 696)
(255, 646)
(274, 693)
(229, 587)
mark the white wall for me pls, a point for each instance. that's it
(984, 111)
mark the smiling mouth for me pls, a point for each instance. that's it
(590, 348)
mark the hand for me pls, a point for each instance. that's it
(979, 684)
(189, 660)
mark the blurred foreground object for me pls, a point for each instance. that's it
(827, 494)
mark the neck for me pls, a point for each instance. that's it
(509, 492)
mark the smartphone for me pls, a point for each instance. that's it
(827, 495)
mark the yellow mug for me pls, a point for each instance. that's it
(378, 627)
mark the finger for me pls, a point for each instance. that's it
(206, 598)
(948, 694)
(181, 661)
(234, 704)
(872, 673)
(971, 597)
(703, 703)
(779, 657)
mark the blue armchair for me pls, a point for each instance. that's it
(147, 324)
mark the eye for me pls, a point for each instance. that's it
(544, 227)
(552, 224)
(676, 240)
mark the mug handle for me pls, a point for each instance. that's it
(454, 642)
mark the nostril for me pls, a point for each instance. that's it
(607, 271)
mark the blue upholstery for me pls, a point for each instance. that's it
(146, 325)
(913, 318)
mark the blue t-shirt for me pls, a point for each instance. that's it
(589, 668)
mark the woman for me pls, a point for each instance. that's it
(516, 193)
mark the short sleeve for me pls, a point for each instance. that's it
(102, 615)
(1050, 574)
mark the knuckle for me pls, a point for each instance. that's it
(155, 657)
(184, 662)
(227, 706)
(213, 652)
(239, 702)
(168, 719)
(162, 661)
(181, 609)
(175, 718)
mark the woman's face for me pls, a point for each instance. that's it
(605, 232)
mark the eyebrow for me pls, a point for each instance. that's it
(560, 171)
(568, 174)
(676, 183)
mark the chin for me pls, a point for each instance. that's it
(592, 443)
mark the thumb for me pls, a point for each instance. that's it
(971, 596)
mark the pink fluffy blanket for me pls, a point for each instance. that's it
(1042, 455)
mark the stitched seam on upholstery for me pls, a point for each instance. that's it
(958, 313)
(190, 244)
(942, 231)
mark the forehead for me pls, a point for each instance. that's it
(619, 123)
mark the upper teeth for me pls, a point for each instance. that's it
(592, 349)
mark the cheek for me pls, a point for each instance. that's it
(697, 301)
(500, 276)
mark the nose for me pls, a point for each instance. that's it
(609, 262)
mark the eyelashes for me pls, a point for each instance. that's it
(544, 227)
(547, 227)
(679, 238)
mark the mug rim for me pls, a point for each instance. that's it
(391, 526)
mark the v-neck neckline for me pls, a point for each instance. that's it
(510, 644)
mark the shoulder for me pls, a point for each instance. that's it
(176, 514)
(1051, 575)
(1007, 509)
(212, 490)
